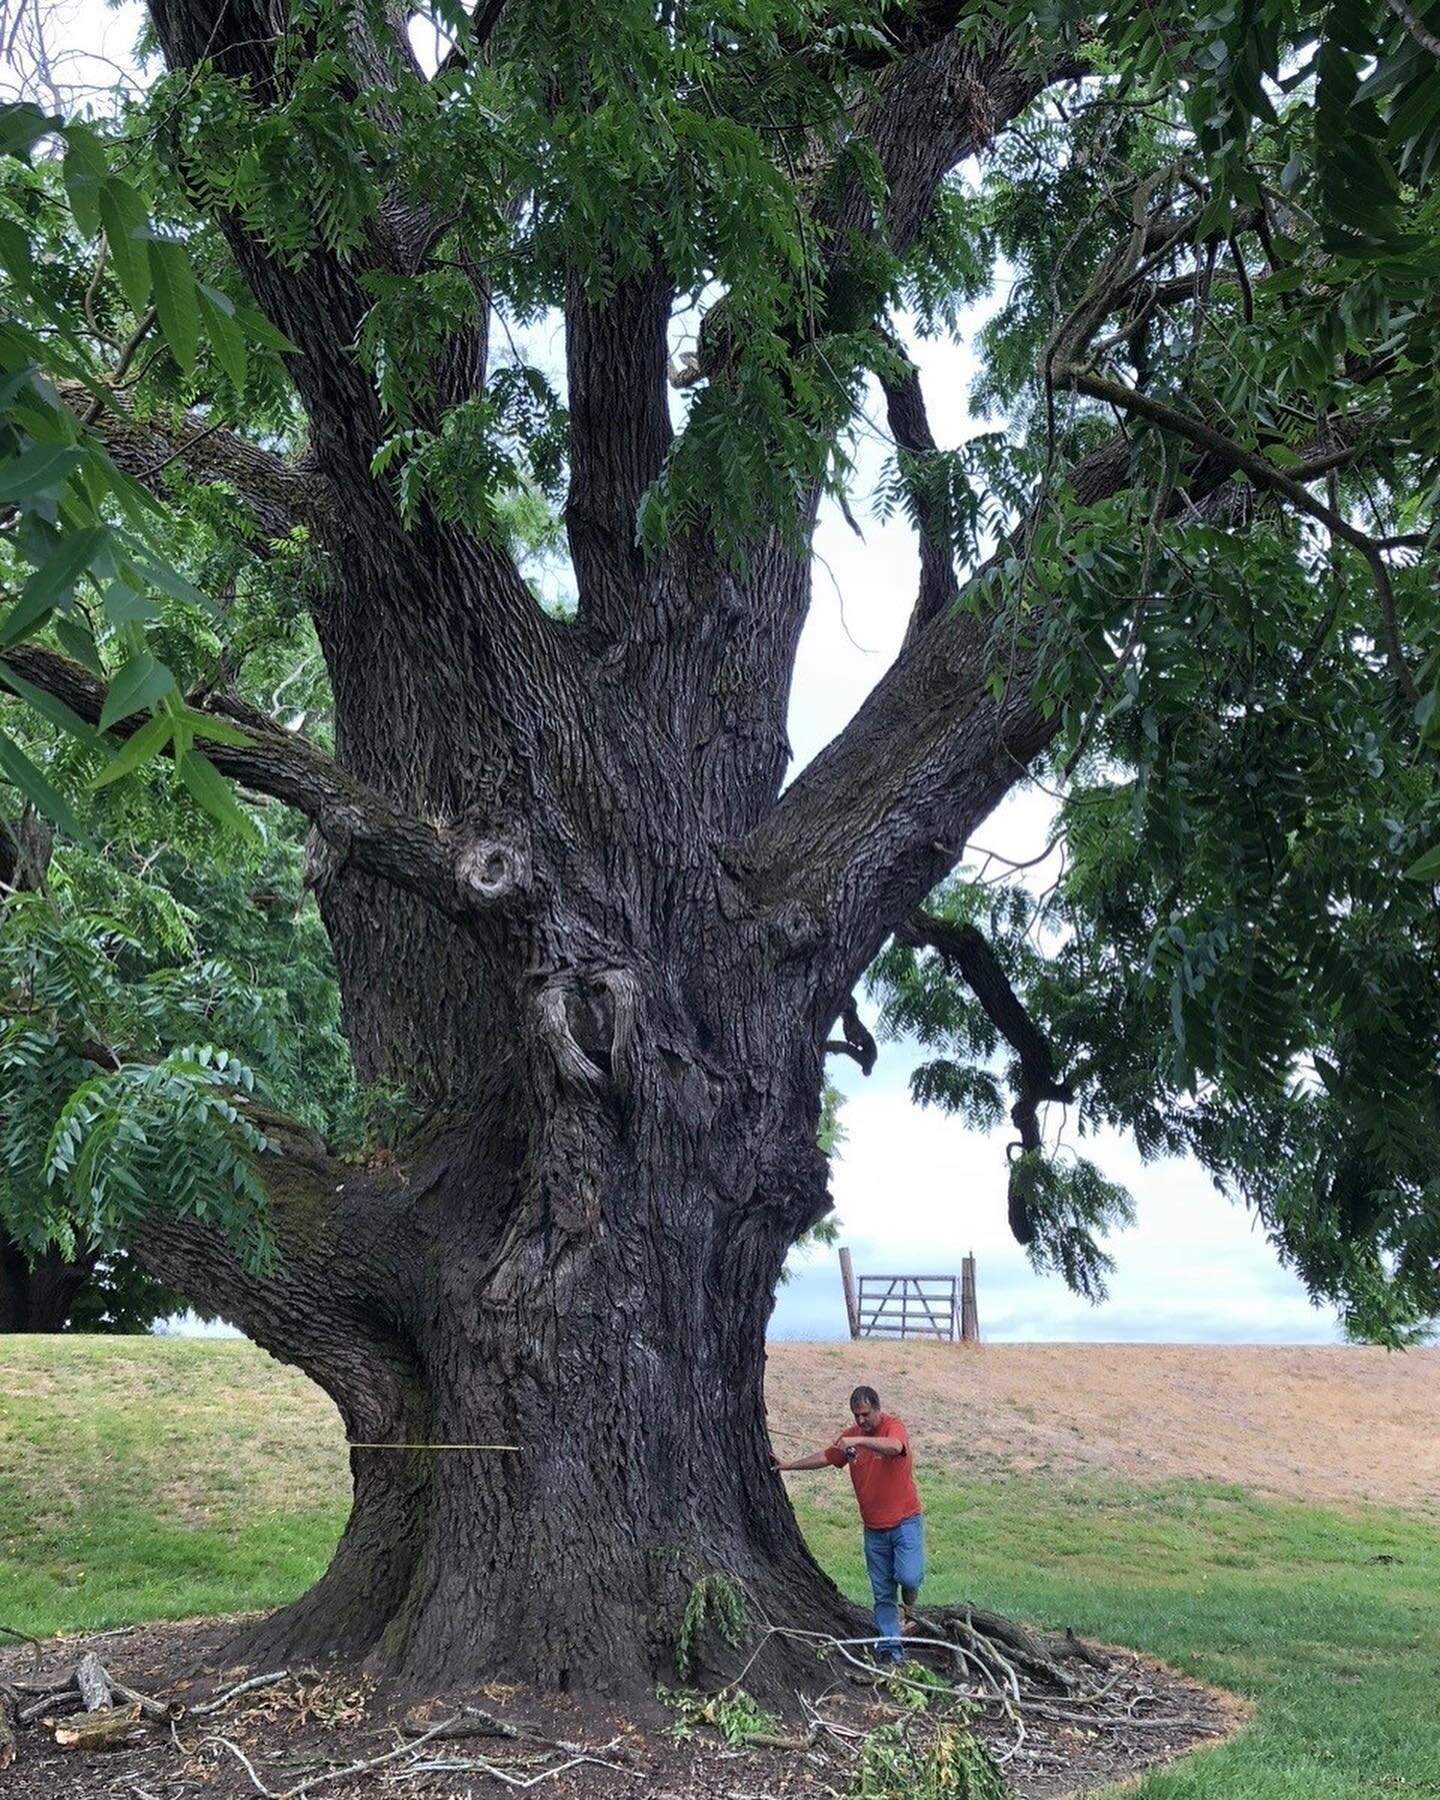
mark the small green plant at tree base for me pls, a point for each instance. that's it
(954, 1765)
(736, 1715)
(916, 1688)
(716, 1603)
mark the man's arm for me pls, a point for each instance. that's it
(817, 1460)
(882, 1446)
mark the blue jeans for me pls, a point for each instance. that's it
(895, 1559)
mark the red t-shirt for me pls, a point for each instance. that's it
(884, 1485)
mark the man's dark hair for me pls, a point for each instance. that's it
(864, 1396)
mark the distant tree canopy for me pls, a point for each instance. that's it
(265, 387)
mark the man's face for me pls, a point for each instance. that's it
(866, 1416)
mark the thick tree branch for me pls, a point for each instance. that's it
(25, 846)
(484, 20)
(939, 104)
(945, 102)
(277, 494)
(966, 952)
(910, 428)
(882, 813)
(1413, 23)
(317, 300)
(616, 363)
(457, 869)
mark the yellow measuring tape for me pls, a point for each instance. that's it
(350, 1446)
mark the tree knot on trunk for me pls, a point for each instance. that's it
(493, 870)
(622, 989)
(589, 1025)
(797, 928)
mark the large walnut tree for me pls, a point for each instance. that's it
(578, 915)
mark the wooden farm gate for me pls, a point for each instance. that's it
(912, 1306)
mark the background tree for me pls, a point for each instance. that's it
(574, 917)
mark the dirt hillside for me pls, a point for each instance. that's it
(1317, 1423)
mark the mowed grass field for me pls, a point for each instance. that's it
(152, 1478)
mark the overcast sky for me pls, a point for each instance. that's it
(914, 1190)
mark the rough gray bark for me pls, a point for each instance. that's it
(593, 1288)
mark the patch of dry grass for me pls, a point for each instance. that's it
(1338, 1424)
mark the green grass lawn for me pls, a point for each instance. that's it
(1279, 1602)
(143, 1479)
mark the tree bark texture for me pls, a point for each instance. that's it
(582, 1262)
(588, 1281)
(38, 1294)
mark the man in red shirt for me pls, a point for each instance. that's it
(876, 1450)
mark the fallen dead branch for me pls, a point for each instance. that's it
(157, 1711)
(472, 1721)
(92, 1683)
(98, 1728)
(49, 1706)
(478, 1766)
(475, 1721)
(241, 1687)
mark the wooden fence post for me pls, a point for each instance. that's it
(852, 1305)
(969, 1313)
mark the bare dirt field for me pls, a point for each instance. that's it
(1314, 1423)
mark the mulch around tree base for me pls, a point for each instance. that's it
(313, 1725)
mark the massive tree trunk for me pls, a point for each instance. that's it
(583, 1272)
(573, 913)
(581, 1259)
(39, 1293)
